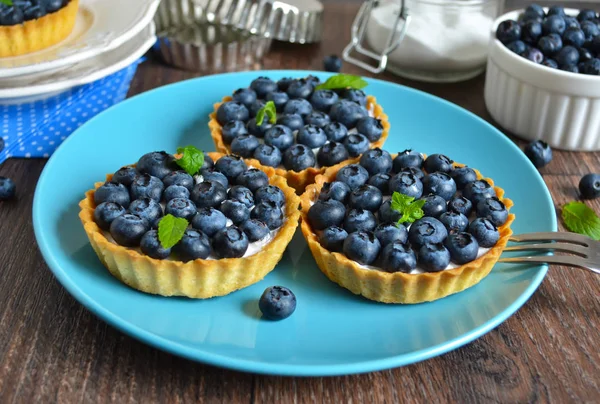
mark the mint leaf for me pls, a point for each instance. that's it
(579, 218)
(410, 209)
(401, 201)
(191, 159)
(7, 2)
(269, 110)
(340, 81)
(171, 230)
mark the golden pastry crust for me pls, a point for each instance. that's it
(34, 35)
(299, 180)
(398, 287)
(195, 279)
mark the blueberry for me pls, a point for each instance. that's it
(362, 247)
(279, 136)
(530, 16)
(270, 193)
(572, 69)
(358, 96)
(407, 184)
(438, 162)
(298, 106)
(208, 194)
(434, 205)
(398, 257)
(492, 209)
(460, 204)
(269, 213)
(462, 176)
(157, 164)
(318, 119)
(370, 127)
(255, 229)
(574, 37)
(112, 192)
(192, 246)
(556, 10)
(388, 233)
(146, 186)
(332, 238)
(439, 183)
(241, 194)
(434, 257)
(587, 14)
(212, 175)
(127, 230)
(381, 181)
(539, 153)
(347, 113)
(314, 80)
(124, 175)
(585, 54)
(463, 247)
(591, 67)
(104, 214)
(322, 100)
(284, 83)
(533, 54)
(180, 178)
(517, 47)
(311, 136)
(590, 30)
(232, 111)
(359, 220)
(268, 155)
(387, 214)
(148, 209)
(407, 158)
(151, 246)
(292, 121)
(356, 144)
(54, 5)
(335, 190)
(335, 131)
(181, 207)
(535, 9)
(554, 24)
(299, 157)
(244, 145)
(531, 31)
(454, 222)
(376, 161)
(558, 42)
(254, 108)
(208, 163)
(478, 190)
(262, 86)
(332, 63)
(209, 221)
(257, 130)
(231, 166)
(413, 171)
(365, 197)
(326, 213)
(571, 22)
(353, 175)
(175, 191)
(2, 147)
(427, 230)
(253, 179)
(244, 96)
(589, 186)
(550, 63)
(279, 98)
(485, 232)
(11, 15)
(233, 129)
(300, 88)
(331, 154)
(236, 211)
(508, 31)
(547, 45)
(277, 303)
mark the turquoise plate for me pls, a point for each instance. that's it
(332, 332)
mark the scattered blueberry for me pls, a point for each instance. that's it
(332, 63)
(589, 186)
(277, 303)
(362, 247)
(539, 153)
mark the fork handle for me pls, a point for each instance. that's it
(554, 259)
(548, 236)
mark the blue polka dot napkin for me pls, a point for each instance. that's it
(37, 128)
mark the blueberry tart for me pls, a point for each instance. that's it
(33, 25)
(434, 228)
(299, 127)
(185, 225)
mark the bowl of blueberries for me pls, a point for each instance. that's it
(543, 76)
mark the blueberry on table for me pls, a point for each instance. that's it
(192, 246)
(517, 47)
(332, 63)
(148, 209)
(112, 192)
(262, 86)
(253, 179)
(381, 181)
(591, 67)
(208, 194)
(245, 96)
(277, 303)
(269, 213)
(492, 209)
(531, 31)
(231, 166)
(311, 136)
(331, 154)
(356, 144)
(556, 10)
(462, 176)
(533, 54)
(574, 37)
(539, 153)
(460, 204)
(434, 205)
(322, 100)
(104, 214)
(589, 186)
(478, 190)
(279, 98)
(398, 257)
(209, 221)
(463, 247)
(387, 214)
(454, 222)
(439, 183)
(235, 211)
(151, 246)
(388, 233)
(232, 111)
(124, 175)
(317, 118)
(335, 131)
(270, 193)
(365, 197)
(299, 157)
(255, 229)
(212, 175)
(586, 14)
(370, 127)
(508, 31)
(353, 175)
(244, 145)
(268, 155)
(332, 238)
(233, 129)
(335, 190)
(554, 24)
(427, 230)
(347, 113)
(242, 194)
(407, 184)
(230, 242)
(291, 121)
(175, 191)
(300, 88)
(438, 162)
(362, 247)
(258, 130)
(279, 136)
(326, 213)
(550, 63)
(146, 186)
(180, 207)
(356, 95)
(484, 231)
(434, 257)
(127, 230)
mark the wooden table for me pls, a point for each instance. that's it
(53, 350)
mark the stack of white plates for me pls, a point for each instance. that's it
(108, 36)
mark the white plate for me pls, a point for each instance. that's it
(38, 86)
(101, 26)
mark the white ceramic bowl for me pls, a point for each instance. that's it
(538, 102)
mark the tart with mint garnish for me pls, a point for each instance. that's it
(299, 126)
(405, 228)
(191, 224)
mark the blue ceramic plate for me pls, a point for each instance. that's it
(332, 331)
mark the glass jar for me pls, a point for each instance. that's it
(445, 40)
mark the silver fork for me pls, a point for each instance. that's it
(586, 250)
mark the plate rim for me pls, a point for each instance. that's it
(280, 369)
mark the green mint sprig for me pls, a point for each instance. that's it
(410, 209)
(171, 230)
(579, 218)
(269, 110)
(7, 2)
(341, 81)
(191, 159)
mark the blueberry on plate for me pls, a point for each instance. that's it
(292, 121)
(208, 194)
(531, 31)
(322, 100)
(347, 113)
(269, 213)
(517, 47)
(245, 96)
(462, 176)
(268, 155)
(332, 63)
(356, 144)
(331, 154)
(370, 127)
(413, 171)
(360, 220)
(157, 164)
(398, 257)
(365, 197)
(539, 153)
(193, 245)
(244, 145)
(332, 238)
(209, 221)
(591, 67)
(279, 98)
(105, 213)
(279, 136)
(463, 247)
(388, 233)
(323, 214)
(262, 86)
(300, 88)
(554, 24)
(589, 186)
(492, 209)
(567, 57)
(439, 183)
(335, 131)
(230, 166)
(407, 184)
(533, 54)
(318, 119)
(123, 175)
(232, 111)
(127, 230)
(586, 14)
(407, 158)
(460, 204)
(434, 257)
(438, 162)
(484, 231)
(478, 190)
(253, 179)
(455, 222)
(112, 192)
(235, 211)
(241, 194)
(151, 246)
(179, 178)
(311, 136)
(427, 230)
(299, 157)
(284, 83)
(376, 161)
(298, 106)
(353, 94)
(180, 207)
(508, 31)
(590, 30)
(255, 229)
(434, 205)
(362, 247)
(257, 130)
(270, 193)
(381, 181)
(551, 63)
(353, 175)
(254, 108)
(175, 191)
(148, 209)
(387, 214)
(277, 303)
(574, 37)
(335, 190)
(233, 129)
(212, 175)
(146, 186)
